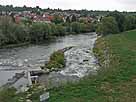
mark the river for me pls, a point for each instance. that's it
(80, 60)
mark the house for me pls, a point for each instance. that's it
(44, 18)
(86, 19)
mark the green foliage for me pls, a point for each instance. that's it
(10, 95)
(81, 27)
(108, 25)
(40, 32)
(12, 33)
(120, 18)
(2, 38)
(76, 27)
(28, 32)
(61, 30)
(56, 60)
(57, 19)
(87, 27)
(7, 94)
(53, 29)
(68, 19)
(115, 83)
(123, 21)
(130, 22)
(26, 21)
(73, 19)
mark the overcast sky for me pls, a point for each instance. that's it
(121, 5)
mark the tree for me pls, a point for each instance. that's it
(7, 94)
(40, 32)
(24, 6)
(120, 18)
(53, 29)
(68, 19)
(76, 27)
(11, 33)
(108, 25)
(57, 19)
(60, 30)
(20, 32)
(36, 32)
(130, 22)
(74, 19)
(2, 38)
(86, 27)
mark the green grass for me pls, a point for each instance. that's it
(115, 82)
(9, 94)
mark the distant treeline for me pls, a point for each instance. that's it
(35, 32)
(83, 12)
(116, 22)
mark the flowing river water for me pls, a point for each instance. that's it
(80, 60)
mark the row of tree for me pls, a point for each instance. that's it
(12, 33)
(116, 22)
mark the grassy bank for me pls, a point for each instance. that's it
(33, 94)
(116, 82)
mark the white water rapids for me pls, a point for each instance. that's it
(80, 60)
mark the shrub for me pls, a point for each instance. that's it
(56, 60)
(7, 94)
(108, 25)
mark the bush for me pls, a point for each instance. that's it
(76, 27)
(108, 25)
(61, 30)
(120, 18)
(56, 60)
(130, 23)
(11, 33)
(6, 95)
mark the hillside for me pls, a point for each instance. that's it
(115, 82)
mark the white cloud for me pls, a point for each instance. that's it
(77, 4)
(127, 1)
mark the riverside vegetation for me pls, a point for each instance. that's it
(35, 32)
(10, 95)
(115, 82)
(116, 53)
(12, 33)
(56, 61)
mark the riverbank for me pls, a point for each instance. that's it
(114, 83)
(116, 80)
(37, 32)
(80, 60)
(14, 45)
(49, 40)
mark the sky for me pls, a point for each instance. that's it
(120, 5)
